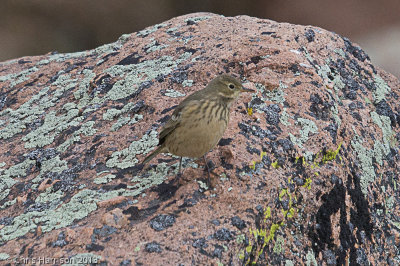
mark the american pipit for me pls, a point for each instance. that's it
(199, 121)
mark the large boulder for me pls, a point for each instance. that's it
(307, 170)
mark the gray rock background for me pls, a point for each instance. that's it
(307, 171)
(29, 27)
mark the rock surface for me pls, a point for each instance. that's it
(306, 172)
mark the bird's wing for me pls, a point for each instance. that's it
(176, 118)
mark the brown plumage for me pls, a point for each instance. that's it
(200, 120)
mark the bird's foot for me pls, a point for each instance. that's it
(177, 178)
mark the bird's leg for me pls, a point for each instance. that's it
(208, 171)
(179, 169)
(180, 165)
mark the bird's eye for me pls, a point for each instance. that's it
(231, 86)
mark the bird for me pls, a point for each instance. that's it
(199, 121)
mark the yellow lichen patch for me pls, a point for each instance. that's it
(274, 219)
(263, 153)
(331, 155)
(267, 213)
(253, 163)
(275, 165)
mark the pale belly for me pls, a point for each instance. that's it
(196, 139)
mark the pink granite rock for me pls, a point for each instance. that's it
(307, 172)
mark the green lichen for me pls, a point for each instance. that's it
(131, 76)
(335, 114)
(8, 203)
(340, 52)
(80, 206)
(203, 186)
(82, 93)
(384, 123)
(284, 118)
(152, 29)
(324, 71)
(4, 256)
(6, 176)
(171, 29)
(156, 177)
(137, 248)
(35, 107)
(104, 179)
(17, 120)
(365, 156)
(127, 157)
(52, 126)
(197, 19)
(122, 121)
(276, 95)
(154, 46)
(64, 82)
(17, 78)
(396, 224)
(187, 83)
(381, 90)
(240, 238)
(289, 263)
(136, 118)
(174, 93)
(53, 165)
(308, 127)
(378, 152)
(111, 113)
(58, 214)
(51, 197)
(107, 48)
(69, 106)
(4, 191)
(262, 154)
(389, 204)
(85, 129)
(124, 37)
(63, 57)
(310, 259)
(278, 247)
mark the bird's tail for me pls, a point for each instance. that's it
(153, 154)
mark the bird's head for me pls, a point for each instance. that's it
(227, 87)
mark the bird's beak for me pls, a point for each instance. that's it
(244, 89)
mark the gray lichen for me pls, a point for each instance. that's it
(6, 177)
(127, 157)
(173, 93)
(104, 179)
(381, 89)
(152, 29)
(308, 127)
(197, 19)
(17, 78)
(131, 76)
